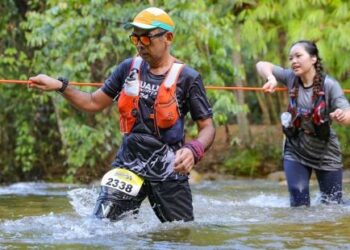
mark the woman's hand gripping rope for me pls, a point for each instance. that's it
(271, 84)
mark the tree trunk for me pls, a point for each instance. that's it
(264, 109)
(228, 134)
(243, 123)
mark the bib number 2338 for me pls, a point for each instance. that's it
(123, 180)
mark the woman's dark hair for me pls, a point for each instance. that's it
(312, 50)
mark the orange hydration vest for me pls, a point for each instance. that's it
(166, 111)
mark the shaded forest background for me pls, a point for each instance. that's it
(44, 138)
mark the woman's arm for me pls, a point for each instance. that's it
(265, 70)
(341, 116)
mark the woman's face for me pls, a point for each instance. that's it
(301, 61)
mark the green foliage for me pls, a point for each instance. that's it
(265, 148)
(226, 107)
(88, 145)
(344, 138)
(245, 162)
(321, 21)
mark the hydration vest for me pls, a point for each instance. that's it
(318, 114)
(165, 112)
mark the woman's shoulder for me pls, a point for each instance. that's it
(332, 87)
(283, 75)
(330, 81)
(284, 71)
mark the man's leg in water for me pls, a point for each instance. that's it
(298, 178)
(171, 200)
(113, 204)
(330, 183)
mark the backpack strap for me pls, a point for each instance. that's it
(136, 63)
(173, 75)
(136, 67)
(326, 97)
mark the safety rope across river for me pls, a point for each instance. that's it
(26, 82)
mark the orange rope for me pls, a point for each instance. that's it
(15, 81)
(28, 81)
(241, 88)
(207, 87)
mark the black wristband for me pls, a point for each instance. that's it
(65, 83)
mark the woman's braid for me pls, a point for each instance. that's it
(318, 79)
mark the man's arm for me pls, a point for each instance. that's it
(89, 102)
(185, 159)
(206, 134)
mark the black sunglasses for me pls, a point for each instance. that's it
(145, 39)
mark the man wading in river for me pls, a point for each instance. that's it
(154, 91)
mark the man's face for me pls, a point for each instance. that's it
(151, 44)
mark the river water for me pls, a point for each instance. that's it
(235, 214)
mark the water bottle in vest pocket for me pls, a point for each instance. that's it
(127, 115)
(128, 102)
(165, 107)
(287, 125)
(131, 85)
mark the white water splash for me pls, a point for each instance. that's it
(83, 200)
(228, 210)
(264, 200)
(35, 188)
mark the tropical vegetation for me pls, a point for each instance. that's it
(43, 137)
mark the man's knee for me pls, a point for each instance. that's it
(171, 200)
(114, 205)
(114, 210)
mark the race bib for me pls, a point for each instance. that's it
(123, 180)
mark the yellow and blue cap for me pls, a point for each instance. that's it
(152, 18)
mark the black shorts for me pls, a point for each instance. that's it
(170, 200)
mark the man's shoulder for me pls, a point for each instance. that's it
(126, 62)
(189, 72)
(122, 68)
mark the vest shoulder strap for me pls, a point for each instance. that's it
(171, 77)
(173, 74)
(136, 63)
(134, 73)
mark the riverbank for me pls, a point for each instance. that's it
(263, 153)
